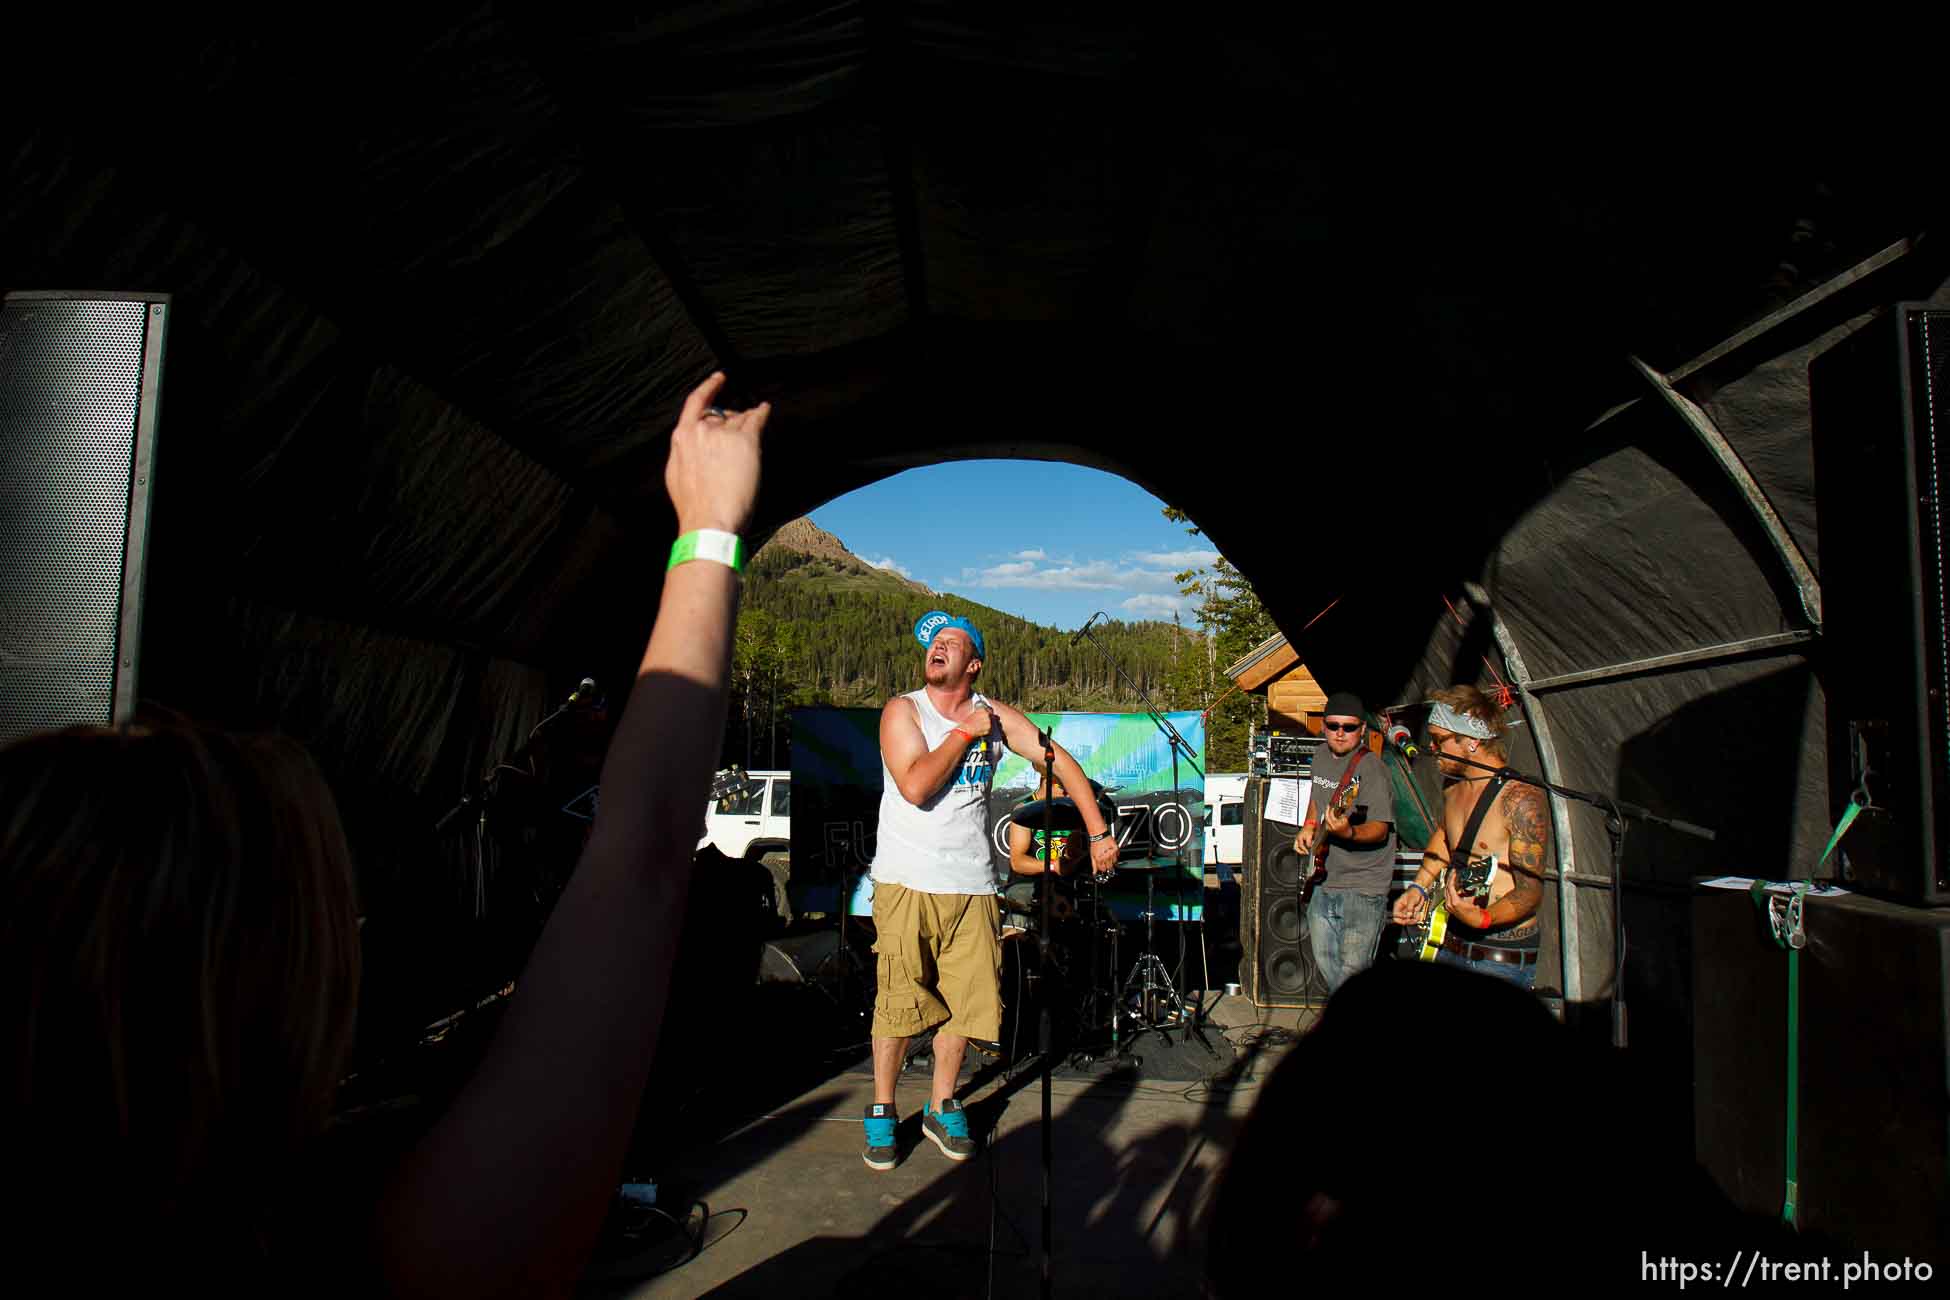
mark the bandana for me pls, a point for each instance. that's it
(934, 621)
(1463, 724)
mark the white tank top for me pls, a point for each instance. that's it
(940, 846)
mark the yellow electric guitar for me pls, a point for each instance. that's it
(1422, 941)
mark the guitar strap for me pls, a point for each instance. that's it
(1347, 774)
(1491, 788)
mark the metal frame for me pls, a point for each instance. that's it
(142, 474)
(1752, 645)
(1814, 297)
(1721, 450)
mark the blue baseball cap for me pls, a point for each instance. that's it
(931, 624)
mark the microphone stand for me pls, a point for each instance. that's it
(1616, 811)
(1178, 745)
(1043, 1046)
(483, 789)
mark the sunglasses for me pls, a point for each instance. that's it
(1340, 726)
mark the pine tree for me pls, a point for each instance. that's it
(1233, 619)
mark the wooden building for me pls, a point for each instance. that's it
(1294, 700)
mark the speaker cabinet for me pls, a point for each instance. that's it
(1874, 1039)
(80, 376)
(1881, 404)
(1276, 957)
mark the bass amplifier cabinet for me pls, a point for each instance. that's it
(1881, 404)
(1276, 960)
(80, 379)
(1874, 1039)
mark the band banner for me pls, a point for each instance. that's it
(836, 779)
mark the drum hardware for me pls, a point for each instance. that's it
(1148, 997)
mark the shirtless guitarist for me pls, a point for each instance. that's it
(1502, 938)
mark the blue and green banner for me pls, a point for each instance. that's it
(836, 779)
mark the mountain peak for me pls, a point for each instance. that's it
(807, 538)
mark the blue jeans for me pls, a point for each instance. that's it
(1524, 977)
(1344, 927)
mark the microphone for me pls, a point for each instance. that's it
(1086, 626)
(583, 690)
(1404, 740)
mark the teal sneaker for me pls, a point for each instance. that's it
(947, 1128)
(881, 1154)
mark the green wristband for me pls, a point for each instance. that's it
(708, 544)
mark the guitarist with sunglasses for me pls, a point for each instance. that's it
(1498, 935)
(1351, 815)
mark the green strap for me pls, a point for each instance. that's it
(1791, 1196)
(1790, 1204)
(1841, 827)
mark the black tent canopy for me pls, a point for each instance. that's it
(1543, 302)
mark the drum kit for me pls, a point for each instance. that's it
(1084, 992)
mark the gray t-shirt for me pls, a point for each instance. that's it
(1369, 869)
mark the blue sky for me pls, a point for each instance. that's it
(1049, 542)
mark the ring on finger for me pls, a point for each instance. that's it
(718, 411)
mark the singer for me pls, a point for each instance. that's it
(1345, 915)
(935, 911)
(1465, 733)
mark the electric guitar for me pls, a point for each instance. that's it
(1423, 940)
(1317, 869)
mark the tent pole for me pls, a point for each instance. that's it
(1696, 419)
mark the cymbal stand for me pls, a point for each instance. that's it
(1150, 960)
(1159, 1006)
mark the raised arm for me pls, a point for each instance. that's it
(1022, 736)
(919, 772)
(506, 1193)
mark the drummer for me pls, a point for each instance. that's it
(1068, 854)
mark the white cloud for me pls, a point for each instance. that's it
(1176, 560)
(1098, 575)
(1037, 554)
(1153, 605)
(888, 562)
(1089, 575)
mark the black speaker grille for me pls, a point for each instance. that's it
(70, 381)
(1283, 862)
(1290, 974)
(1284, 923)
(1289, 953)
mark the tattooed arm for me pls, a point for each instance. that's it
(1528, 818)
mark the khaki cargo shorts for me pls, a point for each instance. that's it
(940, 963)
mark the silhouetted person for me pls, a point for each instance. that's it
(179, 955)
(1439, 1128)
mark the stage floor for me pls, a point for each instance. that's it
(793, 1211)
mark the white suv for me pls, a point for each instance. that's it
(751, 817)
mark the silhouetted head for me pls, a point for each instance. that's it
(181, 952)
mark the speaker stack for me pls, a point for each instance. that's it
(1881, 405)
(1276, 957)
(1871, 1007)
(80, 381)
